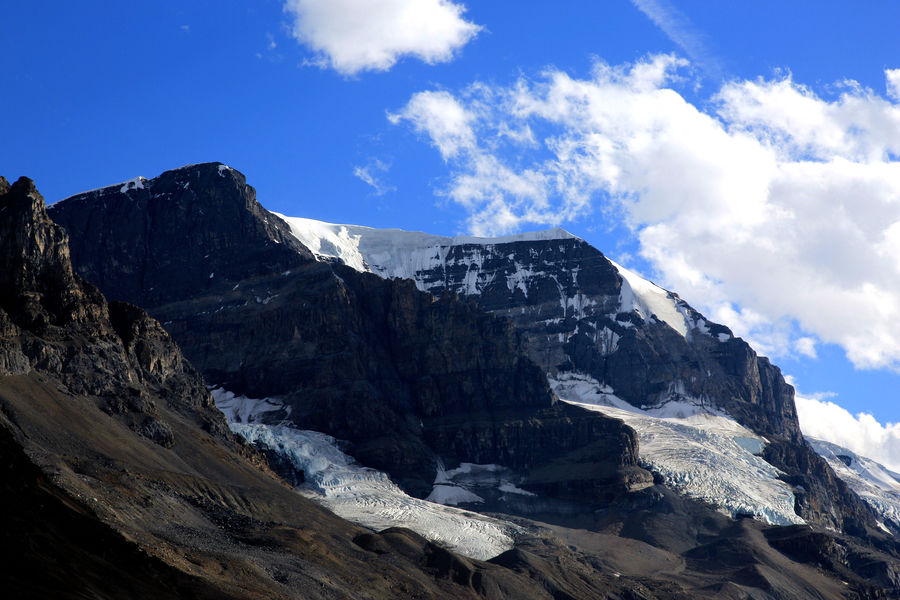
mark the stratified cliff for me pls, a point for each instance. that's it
(582, 313)
(407, 379)
(121, 480)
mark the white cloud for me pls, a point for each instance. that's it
(892, 78)
(678, 28)
(443, 118)
(861, 433)
(806, 346)
(772, 209)
(351, 36)
(371, 174)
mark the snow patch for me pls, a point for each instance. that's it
(648, 299)
(877, 485)
(133, 184)
(459, 485)
(452, 495)
(362, 495)
(701, 452)
(241, 409)
(396, 253)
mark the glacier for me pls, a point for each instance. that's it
(695, 449)
(361, 495)
(877, 485)
(699, 451)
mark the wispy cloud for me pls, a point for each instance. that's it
(350, 36)
(892, 80)
(679, 28)
(372, 174)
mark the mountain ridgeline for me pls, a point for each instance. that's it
(122, 480)
(424, 357)
(409, 380)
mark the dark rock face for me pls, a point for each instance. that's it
(564, 296)
(177, 235)
(46, 313)
(121, 480)
(407, 379)
(566, 299)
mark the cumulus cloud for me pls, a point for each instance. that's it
(351, 36)
(772, 209)
(892, 78)
(861, 433)
(442, 118)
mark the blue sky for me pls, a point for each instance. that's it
(742, 154)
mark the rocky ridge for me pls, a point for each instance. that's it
(409, 380)
(288, 335)
(580, 312)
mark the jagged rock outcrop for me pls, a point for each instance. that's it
(407, 379)
(356, 349)
(579, 311)
(120, 479)
(47, 312)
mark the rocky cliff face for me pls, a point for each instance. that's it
(407, 379)
(47, 312)
(180, 234)
(120, 479)
(579, 311)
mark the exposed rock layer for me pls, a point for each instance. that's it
(203, 509)
(579, 311)
(407, 379)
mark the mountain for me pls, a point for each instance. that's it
(122, 480)
(408, 379)
(583, 314)
(877, 485)
(440, 380)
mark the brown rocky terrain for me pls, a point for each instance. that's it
(194, 513)
(407, 379)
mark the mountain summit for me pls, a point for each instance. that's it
(121, 480)
(527, 376)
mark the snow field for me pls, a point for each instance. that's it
(699, 452)
(364, 496)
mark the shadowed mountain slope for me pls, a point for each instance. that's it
(122, 480)
(408, 380)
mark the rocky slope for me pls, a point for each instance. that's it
(120, 478)
(409, 380)
(582, 313)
